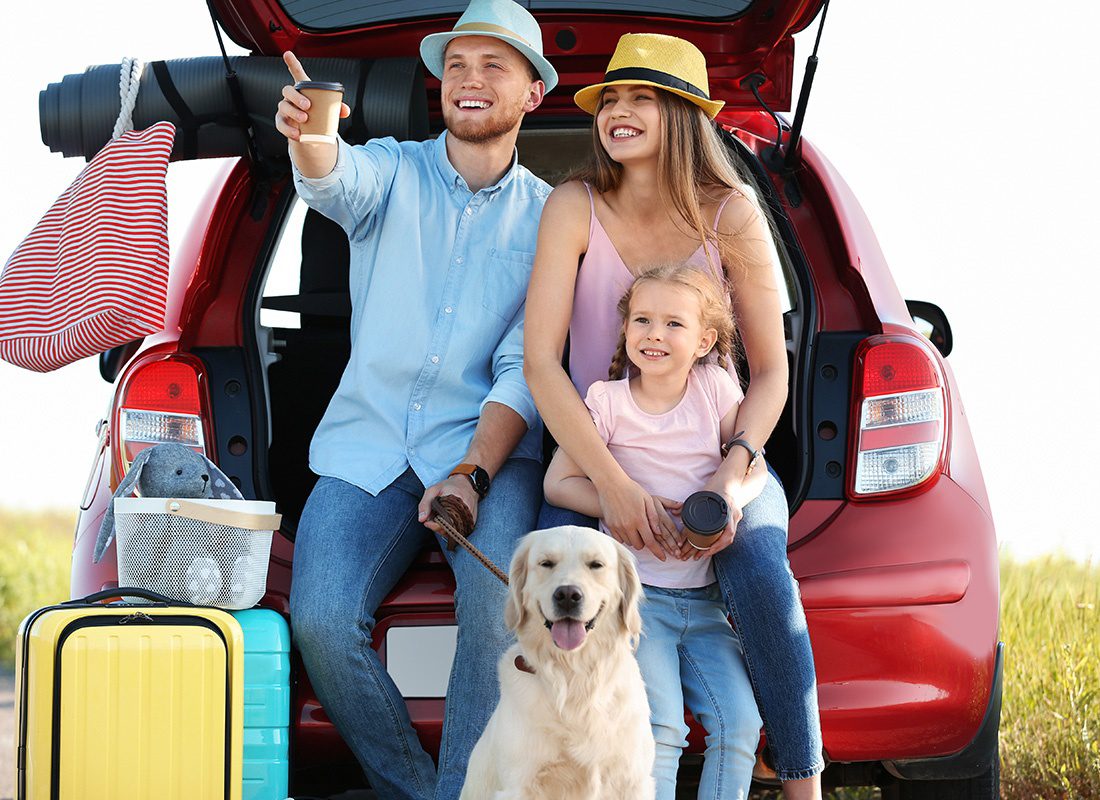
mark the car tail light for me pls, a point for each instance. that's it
(900, 429)
(160, 401)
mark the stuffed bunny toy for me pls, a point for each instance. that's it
(167, 470)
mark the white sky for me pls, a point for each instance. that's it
(963, 128)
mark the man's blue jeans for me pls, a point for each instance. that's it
(351, 550)
(761, 595)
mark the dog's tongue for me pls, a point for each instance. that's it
(568, 634)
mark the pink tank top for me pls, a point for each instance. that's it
(602, 279)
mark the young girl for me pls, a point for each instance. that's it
(661, 187)
(665, 424)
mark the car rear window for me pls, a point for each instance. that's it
(321, 15)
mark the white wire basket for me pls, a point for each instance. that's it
(206, 552)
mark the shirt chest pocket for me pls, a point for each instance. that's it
(505, 283)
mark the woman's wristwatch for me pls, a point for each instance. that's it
(477, 475)
(737, 441)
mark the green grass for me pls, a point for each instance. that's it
(1050, 724)
(34, 568)
(1050, 623)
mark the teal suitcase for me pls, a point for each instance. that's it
(266, 764)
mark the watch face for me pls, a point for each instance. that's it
(481, 481)
(478, 477)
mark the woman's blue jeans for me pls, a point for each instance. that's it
(761, 595)
(351, 549)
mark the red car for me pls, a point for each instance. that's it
(891, 536)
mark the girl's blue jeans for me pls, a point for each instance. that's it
(689, 655)
(761, 595)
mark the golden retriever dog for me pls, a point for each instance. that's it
(573, 720)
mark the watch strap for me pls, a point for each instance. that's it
(477, 475)
(737, 441)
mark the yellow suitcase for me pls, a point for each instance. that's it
(129, 701)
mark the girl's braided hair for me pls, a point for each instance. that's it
(715, 311)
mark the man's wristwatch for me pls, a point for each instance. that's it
(737, 441)
(478, 477)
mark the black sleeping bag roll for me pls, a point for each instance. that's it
(77, 115)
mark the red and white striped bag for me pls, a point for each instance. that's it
(93, 274)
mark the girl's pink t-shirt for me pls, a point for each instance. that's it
(670, 455)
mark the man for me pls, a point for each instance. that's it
(442, 241)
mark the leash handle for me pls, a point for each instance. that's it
(443, 517)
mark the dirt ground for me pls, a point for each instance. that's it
(7, 735)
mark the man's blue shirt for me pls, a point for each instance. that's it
(438, 281)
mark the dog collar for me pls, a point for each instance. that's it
(523, 666)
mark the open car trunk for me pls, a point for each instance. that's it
(306, 346)
(737, 37)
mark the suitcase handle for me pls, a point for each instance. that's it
(124, 592)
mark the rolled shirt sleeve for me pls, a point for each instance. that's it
(355, 188)
(509, 386)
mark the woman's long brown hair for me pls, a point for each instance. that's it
(692, 167)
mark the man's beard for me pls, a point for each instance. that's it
(490, 129)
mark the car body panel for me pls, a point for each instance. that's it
(901, 600)
(862, 252)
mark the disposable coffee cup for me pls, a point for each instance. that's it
(323, 112)
(705, 515)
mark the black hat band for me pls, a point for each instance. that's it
(654, 76)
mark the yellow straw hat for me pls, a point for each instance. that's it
(653, 59)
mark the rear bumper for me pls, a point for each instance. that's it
(902, 604)
(973, 760)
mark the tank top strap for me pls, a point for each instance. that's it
(713, 267)
(591, 212)
(722, 206)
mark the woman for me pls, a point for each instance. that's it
(662, 189)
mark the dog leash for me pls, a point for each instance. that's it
(448, 508)
(450, 512)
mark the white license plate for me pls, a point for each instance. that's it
(419, 658)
